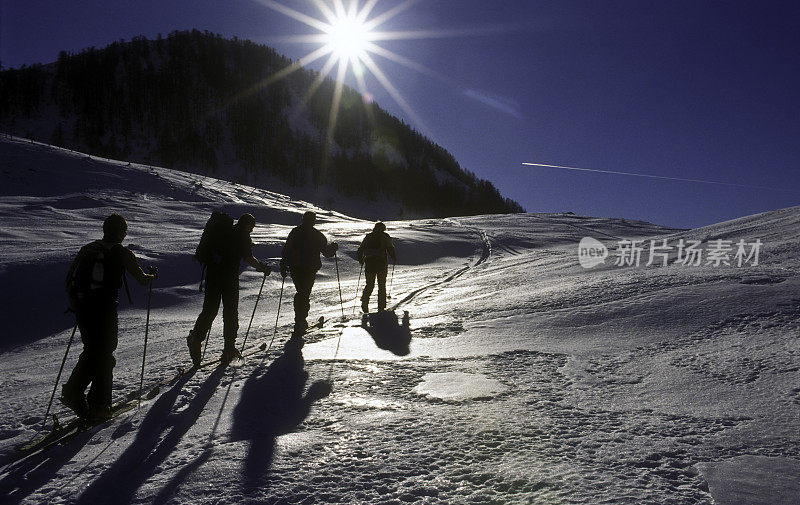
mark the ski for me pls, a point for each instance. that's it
(52, 437)
(316, 326)
(61, 434)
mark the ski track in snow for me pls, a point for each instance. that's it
(527, 379)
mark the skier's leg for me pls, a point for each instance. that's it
(298, 303)
(80, 377)
(381, 290)
(73, 390)
(308, 285)
(304, 283)
(369, 279)
(213, 296)
(203, 324)
(99, 397)
(230, 310)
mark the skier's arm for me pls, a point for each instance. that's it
(360, 252)
(286, 252)
(328, 250)
(252, 260)
(132, 266)
(261, 267)
(390, 249)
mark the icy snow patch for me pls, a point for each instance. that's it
(458, 386)
(753, 480)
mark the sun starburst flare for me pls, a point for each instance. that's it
(347, 38)
(347, 35)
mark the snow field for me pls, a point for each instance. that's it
(528, 379)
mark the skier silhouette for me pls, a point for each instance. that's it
(372, 253)
(222, 284)
(300, 259)
(93, 283)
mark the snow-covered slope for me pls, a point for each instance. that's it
(527, 378)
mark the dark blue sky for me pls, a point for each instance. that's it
(686, 89)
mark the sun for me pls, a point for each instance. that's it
(348, 33)
(347, 37)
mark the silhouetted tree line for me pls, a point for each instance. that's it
(192, 100)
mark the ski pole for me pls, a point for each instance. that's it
(254, 313)
(205, 346)
(357, 285)
(341, 301)
(280, 299)
(58, 378)
(335, 354)
(146, 331)
(391, 282)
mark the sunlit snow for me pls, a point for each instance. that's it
(527, 378)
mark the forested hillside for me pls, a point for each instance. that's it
(195, 101)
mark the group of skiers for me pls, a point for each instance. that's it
(98, 271)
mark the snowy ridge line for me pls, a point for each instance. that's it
(190, 181)
(582, 228)
(485, 253)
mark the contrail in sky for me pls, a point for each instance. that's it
(614, 172)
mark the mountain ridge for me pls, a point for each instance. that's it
(201, 103)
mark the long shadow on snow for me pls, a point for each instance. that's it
(30, 474)
(387, 333)
(140, 461)
(165, 495)
(271, 405)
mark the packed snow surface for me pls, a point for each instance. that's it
(505, 373)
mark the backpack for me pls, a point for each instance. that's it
(92, 271)
(214, 242)
(215, 239)
(373, 246)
